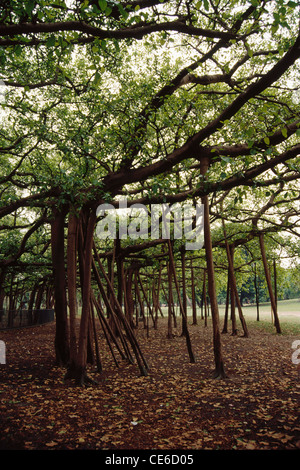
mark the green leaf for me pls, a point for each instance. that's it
(29, 6)
(123, 12)
(50, 41)
(102, 4)
(267, 140)
(284, 132)
(206, 4)
(18, 50)
(97, 78)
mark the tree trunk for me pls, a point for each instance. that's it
(233, 281)
(225, 326)
(87, 239)
(39, 297)
(119, 262)
(219, 364)
(204, 297)
(10, 321)
(139, 299)
(146, 298)
(135, 346)
(184, 300)
(112, 313)
(170, 298)
(194, 306)
(111, 273)
(98, 358)
(31, 303)
(269, 283)
(183, 313)
(59, 281)
(129, 297)
(107, 330)
(72, 283)
(256, 293)
(232, 311)
(170, 303)
(156, 295)
(2, 291)
(232, 300)
(275, 283)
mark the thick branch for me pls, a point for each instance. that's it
(190, 147)
(245, 178)
(137, 32)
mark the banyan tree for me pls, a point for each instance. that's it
(158, 102)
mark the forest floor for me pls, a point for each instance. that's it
(177, 406)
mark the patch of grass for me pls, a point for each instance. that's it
(287, 327)
(288, 311)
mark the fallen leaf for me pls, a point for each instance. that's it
(51, 444)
